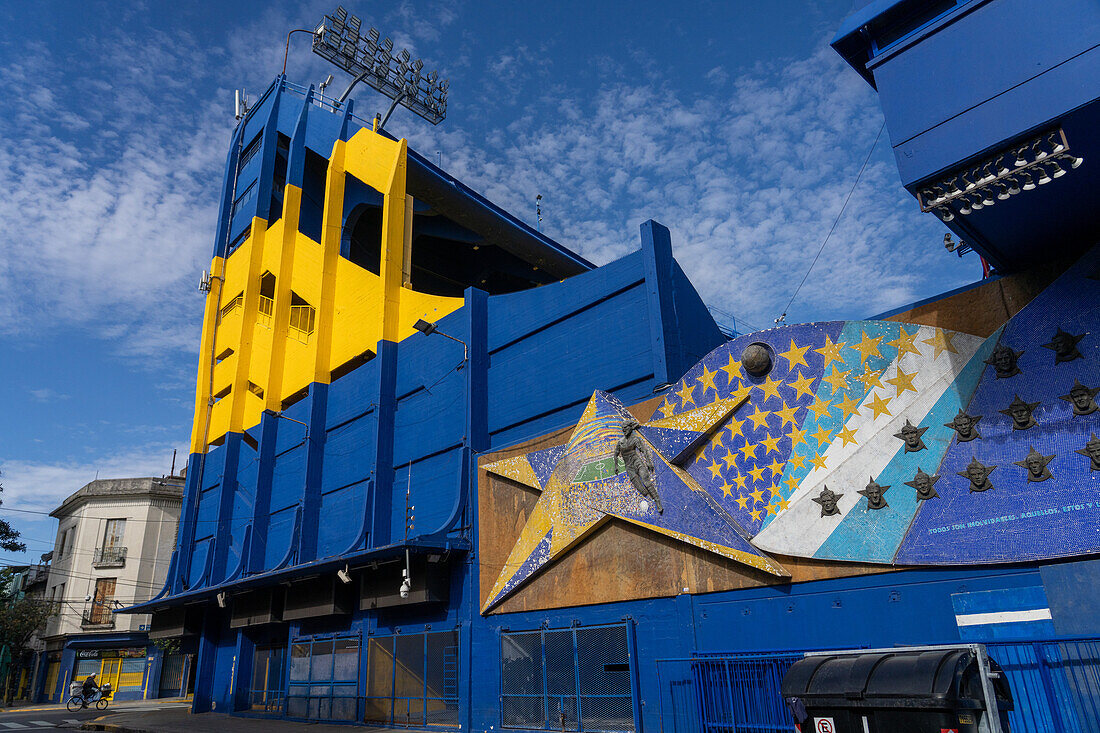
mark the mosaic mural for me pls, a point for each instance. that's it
(864, 441)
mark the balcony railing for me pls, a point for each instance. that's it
(97, 615)
(109, 557)
(266, 310)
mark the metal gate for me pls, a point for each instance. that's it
(171, 676)
(575, 679)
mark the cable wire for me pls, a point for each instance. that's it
(783, 316)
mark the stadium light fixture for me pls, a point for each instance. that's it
(399, 77)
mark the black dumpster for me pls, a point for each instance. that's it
(930, 691)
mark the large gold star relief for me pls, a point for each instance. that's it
(591, 479)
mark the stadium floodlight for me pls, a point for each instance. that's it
(338, 39)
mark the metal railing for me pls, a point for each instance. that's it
(109, 557)
(266, 701)
(232, 305)
(1055, 686)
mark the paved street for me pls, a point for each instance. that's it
(45, 717)
(176, 720)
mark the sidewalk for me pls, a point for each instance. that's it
(180, 720)
(26, 707)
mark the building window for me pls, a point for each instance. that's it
(577, 679)
(99, 612)
(112, 552)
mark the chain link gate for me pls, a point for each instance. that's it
(575, 679)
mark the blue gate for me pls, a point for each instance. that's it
(1055, 687)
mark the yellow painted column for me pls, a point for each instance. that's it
(331, 226)
(250, 307)
(292, 207)
(206, 356)
(393, 245)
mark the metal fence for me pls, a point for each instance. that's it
(575, 679)
(1055, 686)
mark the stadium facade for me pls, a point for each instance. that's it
(445, 472)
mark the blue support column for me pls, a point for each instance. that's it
(261, 509)
(227, 491)
(203, 670)
(657, 255)
(185, 540)
(315, 457)
(381, 498)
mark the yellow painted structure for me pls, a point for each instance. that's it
(260, 353)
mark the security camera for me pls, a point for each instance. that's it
(87, 598)
(343, 575)
(406, 585)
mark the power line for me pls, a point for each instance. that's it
(855, 183)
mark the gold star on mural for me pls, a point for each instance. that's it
(870, 379)
(867, 347)
(822, 435)
(819, 408)
(735, 427)
(706, 380)
(771, 443)
(742, 500)
(757, 473)
(902, 382)
(904, 343)
(739, 482)
(818, 460)
(757, 497)
(795, 355)
(729, 459)
(770, 508)
(748, 450)
(838, 380)
(798, 435)
(846, 435)
(941, 342)
(755, 513)
(759, 417)
(666, 409)
(849, 406)
(685, 394)
(831, 352)
(732, 370)
(770, 387)
(791, 482)
(781, 503)
(776, 468)
(803, 386)
(716, 441)
(715, 469)
(879, 406)
(727, 490)
(796, 461)
(786, 415)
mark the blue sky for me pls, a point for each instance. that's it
(732, 123)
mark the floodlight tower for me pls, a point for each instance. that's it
(337, 38)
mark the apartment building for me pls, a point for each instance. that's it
(114, 543)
